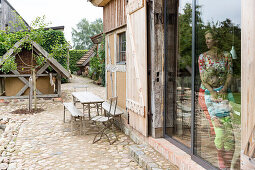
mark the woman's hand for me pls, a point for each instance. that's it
(223, 90)
(223, 93)
(217, 122)
(214, 95)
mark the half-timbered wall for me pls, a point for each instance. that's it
(13, 85)
(115, 85)
(114, 14)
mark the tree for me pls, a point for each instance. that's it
(85, 30)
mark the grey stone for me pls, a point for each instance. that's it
(1, 159)
(12, 166)
(6, 160)
(151, 165)
(3, 166)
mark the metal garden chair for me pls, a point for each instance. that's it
(107, 120)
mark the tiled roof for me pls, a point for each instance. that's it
(86, 56)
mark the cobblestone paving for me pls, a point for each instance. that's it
(43, 141)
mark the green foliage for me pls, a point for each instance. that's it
(97, 64)
(85, 30)
(75, 55)
(52, 41)
(225, 31)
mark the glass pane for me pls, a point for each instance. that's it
(218, 82)
(179, 56)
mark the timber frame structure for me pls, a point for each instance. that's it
(42, 74)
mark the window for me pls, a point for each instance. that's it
(121, 58)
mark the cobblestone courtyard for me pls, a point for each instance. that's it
(43, 141)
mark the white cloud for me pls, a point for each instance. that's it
(66, 13)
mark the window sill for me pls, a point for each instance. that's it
(121, 63)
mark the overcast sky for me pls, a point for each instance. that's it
(66, 13)
(218, 10)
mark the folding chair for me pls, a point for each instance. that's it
(107, 120)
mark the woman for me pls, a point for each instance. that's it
(215, 69)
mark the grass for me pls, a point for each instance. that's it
(237, 97)
(236, 107)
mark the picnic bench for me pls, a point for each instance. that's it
(75, 114)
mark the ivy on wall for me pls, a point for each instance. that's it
(75, 55)
(53, 41)
(97, 64)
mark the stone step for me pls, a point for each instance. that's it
(149, 159)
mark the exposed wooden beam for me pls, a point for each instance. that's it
(26, 97)
(11, 51)
(43, 68)
(25, 81)
(22, 90)
(25, 75)
(59, 85)
(54, 62)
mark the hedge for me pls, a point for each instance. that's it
(75, 56)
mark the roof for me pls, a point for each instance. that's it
(86, 58)
(59, 28)
(17, 14)
(53, 62)
(99, 3)
(97, 38)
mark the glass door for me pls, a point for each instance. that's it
(218, 82)
(203, 79)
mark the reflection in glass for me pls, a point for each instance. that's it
(217, 89)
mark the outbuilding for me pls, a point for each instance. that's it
(15, 84)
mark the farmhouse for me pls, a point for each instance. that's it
(155, 55)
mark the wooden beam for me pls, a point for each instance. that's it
(22, 90)
(26, 97)
(43, 68)
(26, 75)
(59, 85)
(10, 52)
(25, 81)
(30, 97)
(52, 60)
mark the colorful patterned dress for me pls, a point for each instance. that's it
(221, 110)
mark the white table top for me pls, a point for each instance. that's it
(87, 97)
(80, 86)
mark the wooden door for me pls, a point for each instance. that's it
(136, 102)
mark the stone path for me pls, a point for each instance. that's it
(43, 141)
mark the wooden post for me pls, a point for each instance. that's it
(247, 77)
(30, 94)
(59, 84)
(34, 86)
(68, 63)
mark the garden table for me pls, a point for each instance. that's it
(87, 98)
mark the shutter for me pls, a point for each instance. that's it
(136, 102)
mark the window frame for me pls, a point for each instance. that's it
(120, 51)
